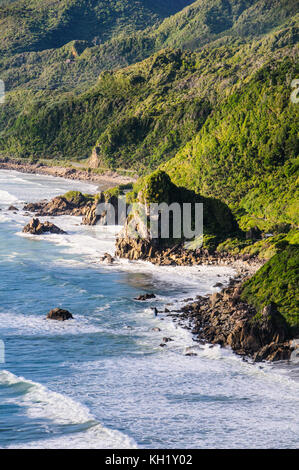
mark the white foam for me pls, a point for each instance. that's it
(32, 325)
(42, 403)
(7, 198)
(96, 437)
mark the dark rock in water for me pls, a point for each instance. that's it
(190, 354)
(59, 314)
(144, 297)
(155, 311)
(35, 227)
(218, 284)
(166, 340)
(107, 258)
(156, 329)
(162, 345)
(13, 208)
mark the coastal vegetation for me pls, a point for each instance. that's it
(193, 97)
(277, 282)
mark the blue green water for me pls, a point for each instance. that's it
(102, 380)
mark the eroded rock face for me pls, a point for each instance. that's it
(59, 314)
(35, 227)
(95, 215)
(136, 240)
(60, 206)
(224, 319)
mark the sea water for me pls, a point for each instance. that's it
(102, 380)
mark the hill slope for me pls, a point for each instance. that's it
(246, 154)
(36, 25)
(84, 53)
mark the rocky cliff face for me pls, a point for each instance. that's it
(78, 205)
(135, 241)
(224, 319)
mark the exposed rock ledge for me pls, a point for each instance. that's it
(61, 206)
(138, 249)
(35, 227)
(76, 204)
(224, 319)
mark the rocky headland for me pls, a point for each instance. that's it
(252, 315)
(224, 318)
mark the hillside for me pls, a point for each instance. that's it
(219, 119)
(80, 58)
(36, 25)
(246, 154)
(203, 96)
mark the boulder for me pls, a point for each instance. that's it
(35, 227)
(107, 259)
(13, 208)
(59, 314)
(144, 297)
(166, 340)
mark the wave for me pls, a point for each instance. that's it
(7, 198)
(41, 403)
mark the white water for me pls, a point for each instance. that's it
(102, 380)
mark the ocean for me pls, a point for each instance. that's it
(102, 380)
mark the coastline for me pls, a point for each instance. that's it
(222, 317)
(107, 180)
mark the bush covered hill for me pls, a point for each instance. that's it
(277, 282)
(31, 58)
(246, 154)
(221, 119)
(35, 25)
(204, 96)
(141, 115)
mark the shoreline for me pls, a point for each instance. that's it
(107, 180)
(222, 317)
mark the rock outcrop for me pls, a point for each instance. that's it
(59, 314)
(35, 227)
(137, 240)
(76, 204)
(107, 258)
(97, 213)
(224, 319)
(144, 297)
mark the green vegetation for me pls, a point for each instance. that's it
(246, 154)
(219, 222)
(77, 198)
(263, 249)
(68, 43)
(207, 110)
(34, 25)
(277, 281)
